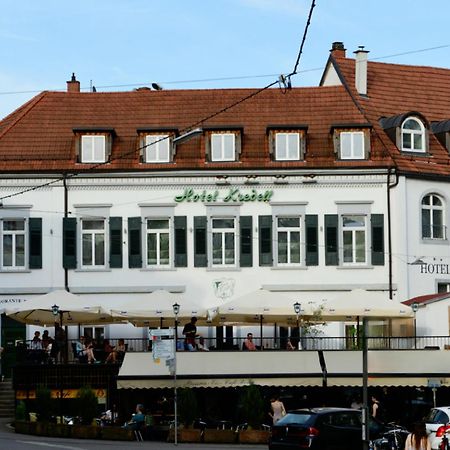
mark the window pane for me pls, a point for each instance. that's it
(360, 246)
(418, 141)
(163, 148)
(282, 248)
(223, 223)
(406, 138)
(14, 225)
(426, 200)
(293, 147)
(217, 248)
(346, 145)
(93, 224)
(86, 148)
(20, 250)
(411, 125)
(288, 221)
(348, 246)
(281, 146)
(151, 249)
(228, 145)
(216, 147)
(99, 250)
(437, 224)
(87, 250)
(353, 221)
(229, 248)
(155, 224)
(436, 200)
(358, 145)
(426, 223)
(99, 148)
(164, 248)
(295, 247)
(7, 251)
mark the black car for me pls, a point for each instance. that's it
(321, 429)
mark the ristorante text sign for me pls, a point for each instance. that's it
(233, 195)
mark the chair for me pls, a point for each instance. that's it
(80, 357)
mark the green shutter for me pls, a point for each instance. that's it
(377, 224)
(69, 243)
(246, 241)
(265, 240)
(200, 242)
(331, 240)
(180, 241)
(35, 242)
(115, 242)
(312, 240)
(134, 242)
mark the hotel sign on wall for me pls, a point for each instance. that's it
(233, 195)
(439, 269)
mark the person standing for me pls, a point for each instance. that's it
(277, 409)
(190, 333)
(377, 409)
(418, 439)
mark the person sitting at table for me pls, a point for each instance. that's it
(84, 347)
(36, 353)
(289, 345)
(46, 339)
(138, 419)
(121, 348)
(248, 343)
(110, 352)
(201, 346)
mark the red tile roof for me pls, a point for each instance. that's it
(394, 89)
(429, 298)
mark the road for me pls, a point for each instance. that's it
(12, 441)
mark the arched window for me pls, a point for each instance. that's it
(413, 135)
(433, 226)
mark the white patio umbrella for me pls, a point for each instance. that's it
(72, 310)
(362, 303)
(156, 309)
(270, 306)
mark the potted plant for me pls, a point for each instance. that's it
(87, 405)
(188, 410)
(44, 410)
(252, 412)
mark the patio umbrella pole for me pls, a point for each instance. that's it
(365, 410)
(261, 330)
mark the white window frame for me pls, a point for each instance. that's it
(14, 234)
(158, 232)
(412, 134)
(354, 231)
(281, 146)
(289, 230)
(160, 145)
(430, 207)
(92, 138)
(445, 284)
(93, 233)
(223, 232)
(217, 147)
(353, 150)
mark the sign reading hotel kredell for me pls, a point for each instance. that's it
(233, 195)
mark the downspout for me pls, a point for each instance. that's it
(389, 187)
(66, 213)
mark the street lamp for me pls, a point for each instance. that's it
(57, 313)
(415, 308)
(297, 310)
(176, 311)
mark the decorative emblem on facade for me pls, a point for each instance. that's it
(224, 288)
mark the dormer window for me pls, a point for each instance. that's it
(223, 146)
(287, 142)
(157, 148)
(413, 135)
(93, 145)
(93, 149)
(351, 143)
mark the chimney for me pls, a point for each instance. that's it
(73, 85)
(338, 49)
(361, 70)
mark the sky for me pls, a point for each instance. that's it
(203, 44)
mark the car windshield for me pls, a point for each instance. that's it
(297, 418)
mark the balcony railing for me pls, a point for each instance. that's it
(26, 354)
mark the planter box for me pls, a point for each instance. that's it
(189, 435)
(85, 432)
(25, 427)
(220, 436)
(59, 430)
(254, 437)
(116, 434)
(42, 428)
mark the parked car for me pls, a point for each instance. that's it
(437, 423)
(321, 429)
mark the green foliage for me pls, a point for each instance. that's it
(252, 406)
(187, 406)
(21, 411)
(44, 404)
(87, 405)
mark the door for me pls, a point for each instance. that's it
(13, 333)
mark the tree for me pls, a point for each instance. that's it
(44, 404)
(252, 406)
(188, 406)
(87, 405)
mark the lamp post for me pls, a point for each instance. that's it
(297, 309)
(57, 313)
(415, 307)
(176, 310)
